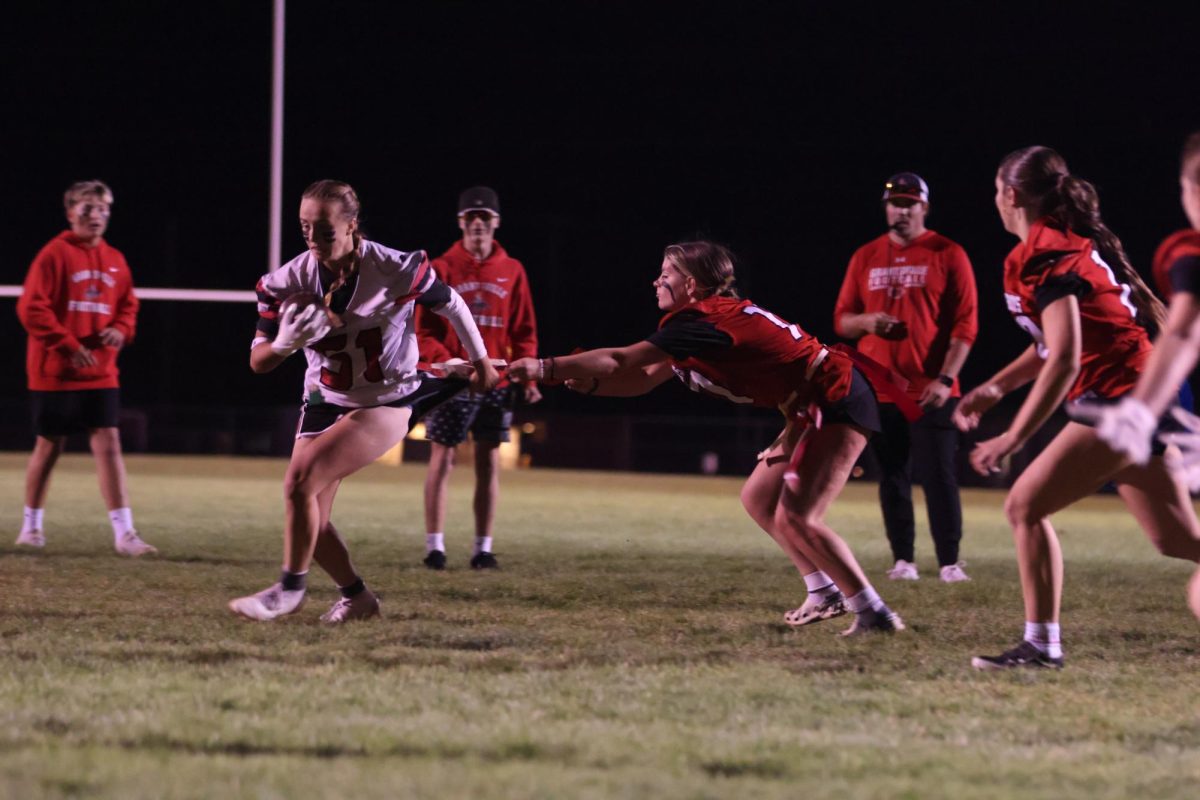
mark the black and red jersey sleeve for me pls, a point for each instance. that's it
(268, 311)
(1053, 275)
(689, 335)
(1177, 263)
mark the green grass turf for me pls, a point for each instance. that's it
(632, 646)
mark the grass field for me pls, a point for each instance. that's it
(632, 646)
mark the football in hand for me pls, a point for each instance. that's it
(302, 300)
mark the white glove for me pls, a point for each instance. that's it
(1186, 462)
(1127, 426)
(300, 327)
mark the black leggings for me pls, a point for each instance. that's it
(933, 439)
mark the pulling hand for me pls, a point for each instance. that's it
(1126, 427)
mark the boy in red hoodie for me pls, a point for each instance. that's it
(79, 308)
(495, 287)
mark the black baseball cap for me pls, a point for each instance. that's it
(906, 184)
(479, 198)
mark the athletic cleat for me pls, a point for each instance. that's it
(268, 604)
(31, 539)
(1025, 654)
(484, 561)
(363, 605)
(903, 571)
(435, 559)
(130, 544)
(815, 609)
(953, 573)
(885, 621)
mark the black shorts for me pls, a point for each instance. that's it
(488, 418)
(859, 407)
(74, 411)
(319, 417)
(1166, 423)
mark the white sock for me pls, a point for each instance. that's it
(1045, 636)
(435, 541)
(866, 600)
(483, 544)
(820, 584)
(122, 521)
(32, 520)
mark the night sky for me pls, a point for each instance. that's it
(609, 129)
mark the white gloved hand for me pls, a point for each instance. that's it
(1127, 426)
(1185, 462)
(300, 327)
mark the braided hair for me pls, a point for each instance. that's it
(710, 264)
(1046, 188)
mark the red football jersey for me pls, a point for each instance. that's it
(1179, 245)
(1053, 263)
(751, 356)
(930, 286)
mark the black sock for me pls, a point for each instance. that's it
(293, 581)
(354, 589)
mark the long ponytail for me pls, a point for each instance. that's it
(1045, 186)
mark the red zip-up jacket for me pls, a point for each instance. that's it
(497, 292)
(72, 292)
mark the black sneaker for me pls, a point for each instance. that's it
(484, 561)
(435, 559)
(1023, 655)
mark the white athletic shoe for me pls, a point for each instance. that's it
(268, 604)
(31, 539)
(953, 573)
(815, 609)
(363, 605)
(130, 544)
(903, 571)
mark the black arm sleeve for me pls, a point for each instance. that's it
(1059, 286)
(436, 296)
(684, 336)
(1185, 275)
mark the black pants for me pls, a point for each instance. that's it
(933, 441)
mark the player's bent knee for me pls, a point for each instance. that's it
(1019, 511)
(301, 485)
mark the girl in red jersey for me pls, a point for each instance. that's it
(729, 347)
(1129, 426)
(1069, 284)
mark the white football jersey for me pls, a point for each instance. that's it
(371, 360)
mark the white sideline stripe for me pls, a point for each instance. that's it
(195, 295)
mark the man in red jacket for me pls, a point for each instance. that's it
(79, 308)
(909, 300)
(495, 287)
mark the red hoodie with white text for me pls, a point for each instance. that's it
(497, 292)
(74, 291)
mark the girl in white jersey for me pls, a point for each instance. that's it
(361, 389)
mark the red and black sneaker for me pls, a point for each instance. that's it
(1026, 654)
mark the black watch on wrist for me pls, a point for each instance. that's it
(945, 380)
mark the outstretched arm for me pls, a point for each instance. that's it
(620, 365)
(630, 383)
